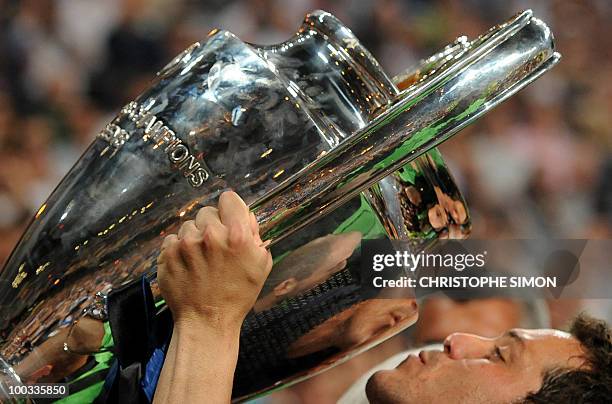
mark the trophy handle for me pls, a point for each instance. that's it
(496, 66)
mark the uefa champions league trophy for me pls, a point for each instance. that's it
(311, 133)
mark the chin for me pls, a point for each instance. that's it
(378, 388)
(372, 387)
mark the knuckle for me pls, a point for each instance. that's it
(207, 210)
(210, 236)
(206, 215)
(169, 239)
(238, 236)
(188, 243)
(168, 253)
(189, 225)
(168, 244)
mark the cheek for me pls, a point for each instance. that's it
(451, 375)
(359, 332)
(493, 383)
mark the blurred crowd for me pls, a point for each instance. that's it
(538, 166)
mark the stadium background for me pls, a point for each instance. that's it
(538, 166)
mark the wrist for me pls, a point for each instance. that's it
(197, 325)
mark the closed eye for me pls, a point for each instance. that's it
(498, 353)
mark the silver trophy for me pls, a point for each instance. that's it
(322, 144)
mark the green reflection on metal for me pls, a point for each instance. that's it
(424, 135)
(363, 220)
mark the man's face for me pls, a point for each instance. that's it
(375, 317)
(472, 369)
(337, 249)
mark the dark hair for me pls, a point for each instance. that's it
(589, 384)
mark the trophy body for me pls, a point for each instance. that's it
(278, 125)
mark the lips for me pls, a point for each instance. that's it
(411, 360)
(422, 357)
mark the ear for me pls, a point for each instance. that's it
(285, 287)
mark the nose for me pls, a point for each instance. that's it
(467, 346)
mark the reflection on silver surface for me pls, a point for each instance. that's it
(495, 67)
(421, 201)
(298, 130)
(318, 308)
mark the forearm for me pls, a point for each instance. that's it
(199, 365)
(210, 275)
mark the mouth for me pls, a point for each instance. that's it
(411, 359)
